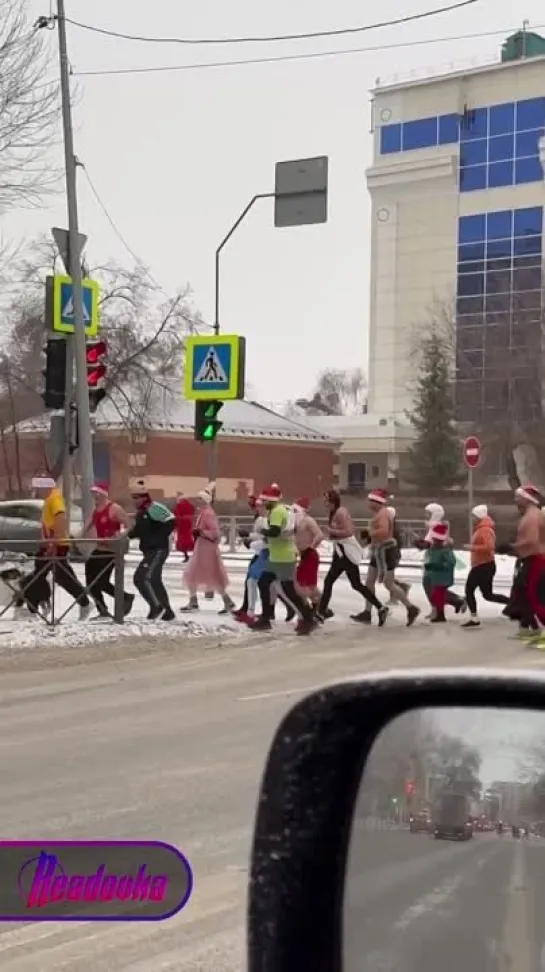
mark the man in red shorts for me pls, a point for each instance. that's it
(308, 538)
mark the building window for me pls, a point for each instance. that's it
(499, 146)
(499, 309)
(419, 134)
(356, 474)
(137, 459)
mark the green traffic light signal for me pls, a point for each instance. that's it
(207, 425)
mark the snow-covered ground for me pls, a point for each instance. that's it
(33, 633)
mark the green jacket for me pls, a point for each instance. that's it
(439, 564)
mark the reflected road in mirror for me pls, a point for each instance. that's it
(446, 866)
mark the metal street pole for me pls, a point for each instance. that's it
(213, 451)
(82, 392)
(470, 502)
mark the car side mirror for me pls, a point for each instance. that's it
(460, 749)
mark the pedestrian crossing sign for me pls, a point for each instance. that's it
(62, 305)
(214, 367)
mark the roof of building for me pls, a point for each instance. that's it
(166, 411)
(366, 426)
(434, 75)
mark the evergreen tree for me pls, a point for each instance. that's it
(435, 456)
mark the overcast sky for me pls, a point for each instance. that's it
(176, 156)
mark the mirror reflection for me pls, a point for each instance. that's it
(446, 864)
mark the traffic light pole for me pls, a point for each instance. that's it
(82, 394)
(213, 450)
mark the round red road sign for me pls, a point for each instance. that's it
(472, 451)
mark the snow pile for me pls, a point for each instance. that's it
(34, 633)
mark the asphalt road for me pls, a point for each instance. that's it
(148, 739)
(414, 904)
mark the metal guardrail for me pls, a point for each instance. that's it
(44, 568)
(230, 526)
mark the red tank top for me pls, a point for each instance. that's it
(104, 523)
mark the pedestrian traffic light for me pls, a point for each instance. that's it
(207, 425)
(55, 373)
(95, 353)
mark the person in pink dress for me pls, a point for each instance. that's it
(205, 571)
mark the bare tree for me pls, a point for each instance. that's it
(29, 109)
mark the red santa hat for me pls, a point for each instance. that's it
(379, 496)
(101, 489)
(271, 494)
(301, 505)
(439, 531)
(529, 493)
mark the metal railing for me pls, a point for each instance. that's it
(46, 568)
(230, 525)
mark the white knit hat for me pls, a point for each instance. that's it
(43, 482)
(207, 494)
(479, 512)
(435, 512)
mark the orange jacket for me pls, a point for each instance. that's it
(483, 542)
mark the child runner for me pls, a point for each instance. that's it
(439, 564)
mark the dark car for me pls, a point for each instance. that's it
(420, 823)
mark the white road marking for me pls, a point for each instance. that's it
(428, 903)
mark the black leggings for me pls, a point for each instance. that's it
(98, 571)
(518, 601)
(339, 566)
(288, 594)
(481, 578)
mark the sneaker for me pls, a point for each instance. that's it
(305, 627)
(290, 614)
(438, 619)
(261, 624)
(84, 611)
(243, 617)
(192, 605)
(460, 607)
(128, 604)
(383, 613)
(472, 623)
(364, 617)
(412, 613)
(155, 613)
(168, 615)
(228, 606)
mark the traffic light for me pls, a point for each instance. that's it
(55, 373)
(207, 425)
(95, 353)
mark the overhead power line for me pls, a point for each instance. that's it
(273, 39)
(312, 55)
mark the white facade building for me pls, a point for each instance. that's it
(457, 207)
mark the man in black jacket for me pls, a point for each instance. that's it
(153, 527)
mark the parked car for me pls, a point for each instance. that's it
(420, 823)
(20, 520)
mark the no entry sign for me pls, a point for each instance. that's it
(472, 452)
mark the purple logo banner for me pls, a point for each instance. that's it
(79, 880)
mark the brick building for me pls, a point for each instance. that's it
(255, 446)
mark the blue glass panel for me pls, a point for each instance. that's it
(498, 283)
(472, 178)
(497, 302)
(449, 129)
(499, 148)
(527, 245)
(499, 225)
(390, 139)
(471, 229)
(419, 134)
(501, 119)
(530, 114)
(526, 144)
(474, 124)
(499, 263)
(470, 284)
(528, 170)
(470, 253)
(500, 174)
(469, 305)
(499, 248)
(473, 153)
(528, 220)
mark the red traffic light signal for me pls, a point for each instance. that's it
(409, 787)
(95, 355)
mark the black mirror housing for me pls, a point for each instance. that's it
(308, 794)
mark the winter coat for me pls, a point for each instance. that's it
(439, 564)
(483, 542)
